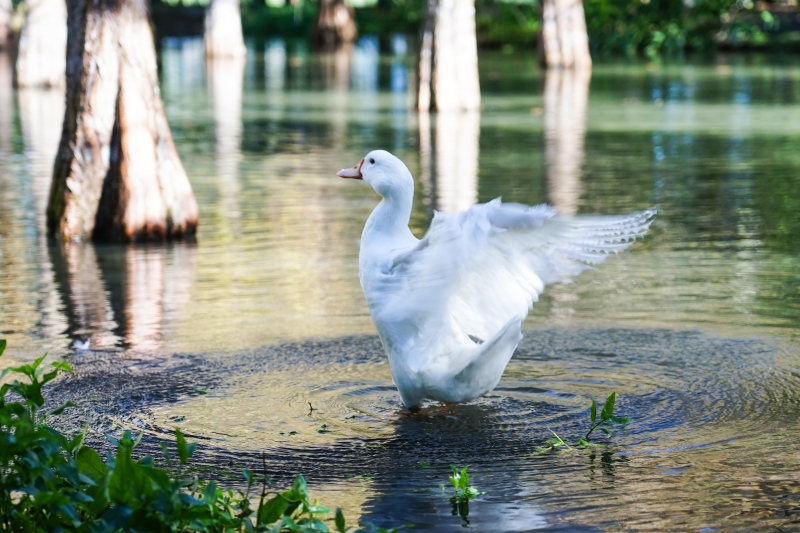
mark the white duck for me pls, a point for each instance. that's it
(448, 308)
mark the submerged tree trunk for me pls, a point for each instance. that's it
(566, 43)
(335, 25)
(5, 23)
(41, 55)
(117, 176)
(448, 66)
(223, 30)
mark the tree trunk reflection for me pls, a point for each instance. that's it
(566, 96)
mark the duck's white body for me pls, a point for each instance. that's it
(448, 307)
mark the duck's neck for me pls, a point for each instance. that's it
(390, 218)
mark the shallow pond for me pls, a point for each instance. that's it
(256, 340)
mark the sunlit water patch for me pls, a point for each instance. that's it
(704, 408)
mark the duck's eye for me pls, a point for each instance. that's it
(371, 160)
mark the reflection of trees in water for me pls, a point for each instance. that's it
(41, 115)
(122, 295)
(6, 107)
(225, 81)
(457, 135)
(566, 95)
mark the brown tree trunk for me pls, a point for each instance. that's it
(566, 43)
(448, 66)
(117, 176)
(223, 30)
(5, 23)
(41, 54)
(335, 25)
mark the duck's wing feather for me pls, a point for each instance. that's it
(475, 271)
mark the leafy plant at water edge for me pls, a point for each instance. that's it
(49, 482)
(463, 492)
(606, 423)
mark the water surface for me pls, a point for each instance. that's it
(257, 339)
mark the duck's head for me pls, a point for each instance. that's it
(387, 174)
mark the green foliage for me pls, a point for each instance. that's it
(606, 423)
(460, 482)
(49, 482)
(656, 27)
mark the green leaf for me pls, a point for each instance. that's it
(58, 410)
(185, 450)
(90, 464)
(210, 494)
(620, 420)
(271, 510)
(341, 527)
(3, 345)
(593, 411)
(300, 488)
(464, 479)
(606, 431)
(608, 408)
(318, 509)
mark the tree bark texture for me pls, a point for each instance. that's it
(566, 42)
(223, 30)
(5, 23)
(117, 175)
(448, 66)
(42, 50)
(335, 25)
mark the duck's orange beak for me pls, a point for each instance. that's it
(352, 173)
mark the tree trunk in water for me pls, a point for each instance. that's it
(223, 30)
(335, 25)
(566, 95)
(117, 176)
(41, 55)
(448, 66)
(566, 43)
(5, 23)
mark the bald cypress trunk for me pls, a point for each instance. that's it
(564, 36)
(335, 25)
(117, 176)
(41, 54)
(223, 30)
(448, 66)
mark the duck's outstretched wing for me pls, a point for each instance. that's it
(474, 272)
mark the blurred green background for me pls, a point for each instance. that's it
(630, 28)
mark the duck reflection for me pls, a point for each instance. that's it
(456, 178)
(225, 83)
(118, 296)
(566, 96)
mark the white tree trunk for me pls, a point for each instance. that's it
(117, 175)
(566, 42)
(5, 23)
(448, 66)
(223, 30)
(41, 58)
(566, 96)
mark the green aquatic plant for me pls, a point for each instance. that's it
(460, 482)
(606, 422)
(51, 482)
(464, 492)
